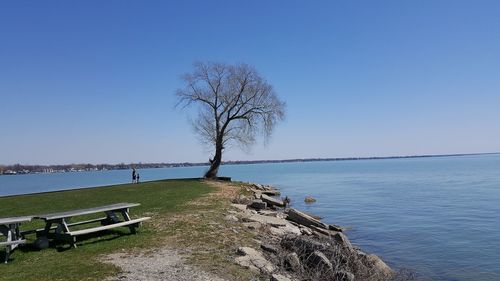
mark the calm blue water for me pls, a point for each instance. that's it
(439, 216)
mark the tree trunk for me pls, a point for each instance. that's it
(215, 163)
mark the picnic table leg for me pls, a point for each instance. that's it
(126, 217)
(62, 229)
(14, 230)
(42, 238)
(18, 231)
(8, 247)
(45, 232)
(6, 230)
(66, 230)
(62, 226)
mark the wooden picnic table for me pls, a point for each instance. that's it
(57, 225)
(9, 227)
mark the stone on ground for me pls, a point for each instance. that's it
(378, 265)
(254, 260)
(241, 207)
(319, 261)
(292, 262)
(271, 192)
(342, 239)
(306, 230)
(268, 213)
(272, 201)
(335, 228)
(232, 218)
(257, 204)
(322, 230)
(252, 225)
(265, 220)
(269, 248)
(291, 229)
(242, 199)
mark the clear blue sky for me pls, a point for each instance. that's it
(94, 81)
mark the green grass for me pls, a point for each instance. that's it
(159, 199)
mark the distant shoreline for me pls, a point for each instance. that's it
(37, 169)
(353, 158)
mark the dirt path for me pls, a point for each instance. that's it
(165, 264)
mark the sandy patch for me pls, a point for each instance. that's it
(165, 264)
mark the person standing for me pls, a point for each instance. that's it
(137, 178)
(134, 174)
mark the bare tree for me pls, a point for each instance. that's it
(235, 104)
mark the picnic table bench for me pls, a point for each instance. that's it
(57, 225)
(9, 227)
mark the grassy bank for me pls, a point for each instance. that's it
(161, 200)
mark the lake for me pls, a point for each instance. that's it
(439, 216)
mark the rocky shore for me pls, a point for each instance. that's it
(295, 245)
(247, 232)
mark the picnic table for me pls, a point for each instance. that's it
(9, 227)
(58, 225)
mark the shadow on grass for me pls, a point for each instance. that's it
(3, 256)
(90, 239)
(21, 248)
(82, 241)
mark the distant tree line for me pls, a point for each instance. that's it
(24, 169)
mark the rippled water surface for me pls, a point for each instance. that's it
(439, 216)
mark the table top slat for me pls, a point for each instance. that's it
(10, 220)
(80, 212)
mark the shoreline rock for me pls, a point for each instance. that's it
(304, 219)
(254, 260)
(309, 200)
(272, 201)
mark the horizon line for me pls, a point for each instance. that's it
(229, 162)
